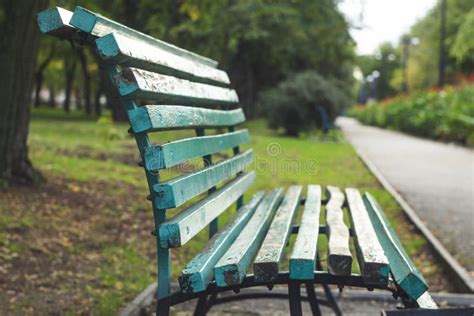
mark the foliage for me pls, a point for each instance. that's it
(463, 48)
(446, 115)
(293, 103)
(423, 62)
(259, 42)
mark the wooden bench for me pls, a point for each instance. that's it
(183, 90)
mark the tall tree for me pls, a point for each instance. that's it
(18, 46)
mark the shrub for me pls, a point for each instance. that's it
(445, 115)
(292, 105)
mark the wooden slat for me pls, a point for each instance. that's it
(170, 154)
(303, 256)
(134, 82)
(199, 271)
(176, 191)
(184, 226)
(132, 52)
(232, 267)
(266, 263)
(55, 21)
(151, 118)
(339, 254)
(426, 301)
(372, 261)
(403, 269)
(97, 25)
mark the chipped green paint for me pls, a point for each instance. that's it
(231, 269)
(403, 269)
(266, 263)
(133, 52)
(199, 271)
(170, 154)
(175, 192)
(98, 25)
(303, 256)
(151, 118)
(134, 82)
(55, 21)
(339, 255)
(184, 226)
(372, 260)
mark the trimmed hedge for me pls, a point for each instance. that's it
(446, 115)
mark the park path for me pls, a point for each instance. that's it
(436, 179)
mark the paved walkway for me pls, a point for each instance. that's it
(436, 179)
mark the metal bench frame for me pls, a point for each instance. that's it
(84, 27)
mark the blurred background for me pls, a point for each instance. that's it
(68, 167)
(330, 53)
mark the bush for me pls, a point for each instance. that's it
(292, 105)
(445, 115)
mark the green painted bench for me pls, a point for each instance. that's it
(183, 90)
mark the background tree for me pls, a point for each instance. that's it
(18, 46)
(423, 63)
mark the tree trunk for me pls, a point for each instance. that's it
(86, 80)
(52, 97)
(98, 94)
(39, 78)
(39, 75)
(18, 46)
(69, 71)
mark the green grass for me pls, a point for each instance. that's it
(89, 151)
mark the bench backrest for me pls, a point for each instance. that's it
(163, 87)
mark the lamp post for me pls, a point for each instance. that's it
(372, 83)
(442, 37)
(406, 42)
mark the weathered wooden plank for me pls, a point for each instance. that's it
(132, 52)
(55, 21)
(403, 269)
(97, 25)
(134, 82)
(176, 191)
(426, 301)
(170, 154)
(232, 267)
(266, 263)
(339, 254)
(199, 271)
(151, 118)
(178, 230)
(372, 261)
(303, 256)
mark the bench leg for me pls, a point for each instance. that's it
(295, 299)
(328, 293)
(162, 307)
(201, 306)
(313, 300)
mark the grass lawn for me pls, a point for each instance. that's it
(81, 241)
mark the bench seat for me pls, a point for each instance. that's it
(253, 243)
(162, 87)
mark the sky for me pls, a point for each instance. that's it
(382, 20)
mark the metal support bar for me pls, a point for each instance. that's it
(295, 298)
(201, 306)
(320, 277)
(313, 300)
(328, 293)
